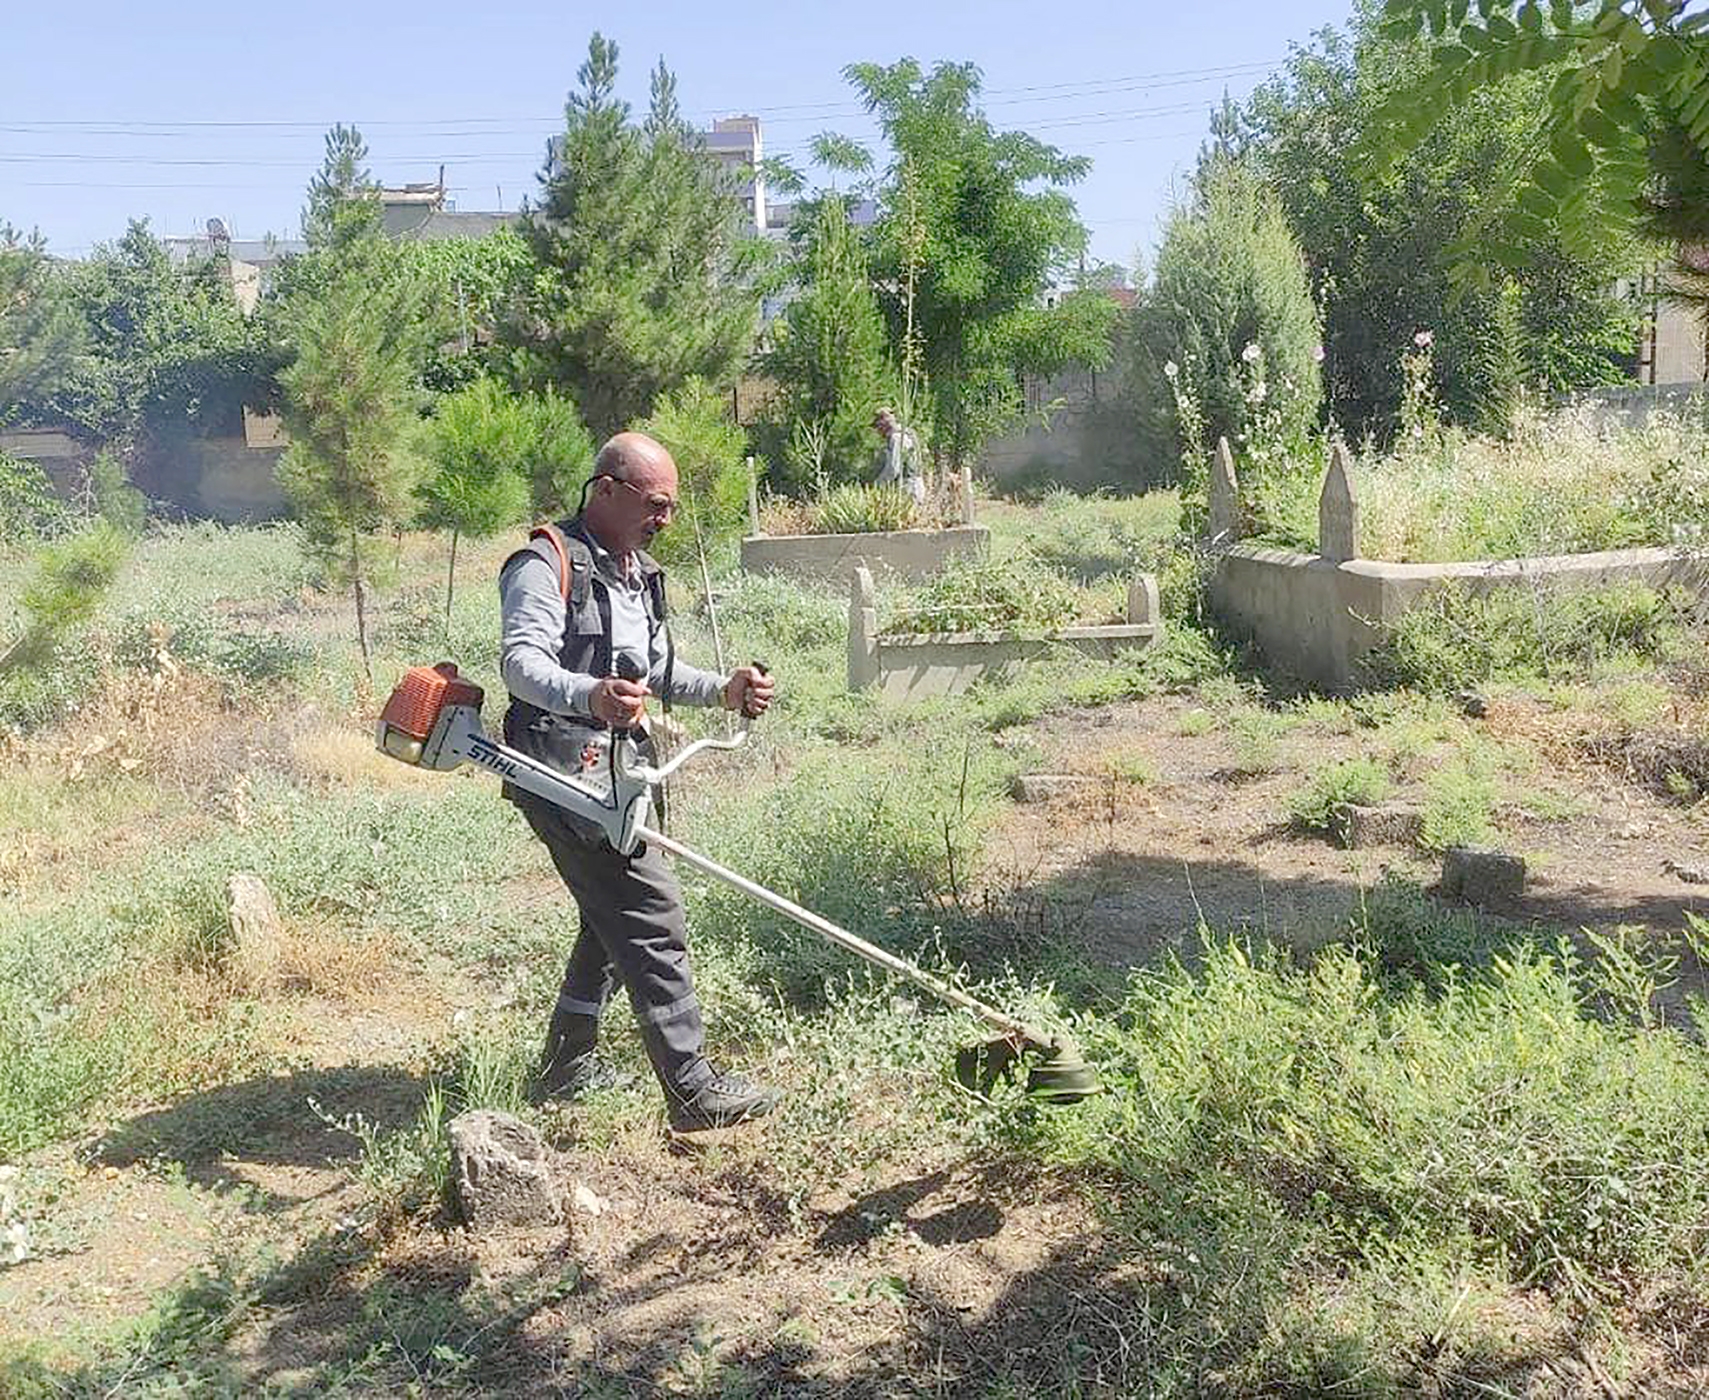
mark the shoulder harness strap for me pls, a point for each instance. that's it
(572, 558)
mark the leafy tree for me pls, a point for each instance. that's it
(1626, 79)
(694, 424)
(495, 456)
(967, 246)
(829, 358)
(642, 279)
(170, 355)
(1229, 323)
(349, 405)
(40, 337)
(1379, 248)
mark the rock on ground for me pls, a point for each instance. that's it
(1481, 876)
(500, 1172)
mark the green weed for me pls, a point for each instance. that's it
(1459, 798)
(1324, 804)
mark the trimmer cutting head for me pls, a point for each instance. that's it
(1056, 1073)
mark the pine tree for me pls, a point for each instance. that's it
(643, 278)
(343, 201)
(348, 407)
(40, 336)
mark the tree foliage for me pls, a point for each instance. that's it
(1229, 321)
(694, 424)
(1380, 248)
(642, 278)
(170, 355)
(40, 336)
(966, 246)
(829, 356)
(1625, 75)
(348, 406)
(343, 209)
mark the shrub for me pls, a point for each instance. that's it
(862, 510)
(1454, 638)
(694, 423)
(29, 510)
(1326, 801)
(1458, 798)
(1502, 1122)
(983, 595)
(1229, 328)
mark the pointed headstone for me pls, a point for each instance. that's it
(1338, 509)
(1224, 496)
(863, 630)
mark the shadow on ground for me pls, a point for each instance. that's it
(269, 1120)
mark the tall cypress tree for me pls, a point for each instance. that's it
(643, 274)
(829, 359)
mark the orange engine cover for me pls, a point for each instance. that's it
(415, 702)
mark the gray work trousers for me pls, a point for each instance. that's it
(632, 931)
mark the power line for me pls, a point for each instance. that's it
(517, 125)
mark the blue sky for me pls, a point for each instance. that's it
(189, 111)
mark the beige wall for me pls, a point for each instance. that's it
(1672, 349)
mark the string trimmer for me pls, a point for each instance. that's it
(433, 720)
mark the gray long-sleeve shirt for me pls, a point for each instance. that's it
(531, 611)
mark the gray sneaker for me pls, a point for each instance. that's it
(721, 1102)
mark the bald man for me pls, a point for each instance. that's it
(563, 659)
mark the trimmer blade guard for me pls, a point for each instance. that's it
(415, 705)
(1056, 1073)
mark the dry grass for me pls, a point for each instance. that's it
(346, 758)
(330, 963)
(1562, 484)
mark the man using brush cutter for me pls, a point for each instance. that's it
(584, 646)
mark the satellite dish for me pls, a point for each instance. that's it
(217, 231)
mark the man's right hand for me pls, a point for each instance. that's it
(618, 702)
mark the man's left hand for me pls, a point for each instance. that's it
(749, 691)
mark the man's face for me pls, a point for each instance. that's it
(641, 505)
(884, 424)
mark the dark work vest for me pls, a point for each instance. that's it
(585, 648)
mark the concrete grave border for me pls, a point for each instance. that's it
(1319, 614)
(917, 666)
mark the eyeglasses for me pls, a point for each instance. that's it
(657, 504)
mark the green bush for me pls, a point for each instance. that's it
(862, 510)
(1498, 1124)
(694, 423)
(1326, 801)
(986, 595)
(1455, 639)
(29, 510)
(1458, 799)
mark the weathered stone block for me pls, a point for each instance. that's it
(1481, 876)
(500, 1172)
(1046, 787)
(257, 936)
(1385, 824)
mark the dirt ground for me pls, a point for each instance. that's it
(686, 1270)
(1131, 868)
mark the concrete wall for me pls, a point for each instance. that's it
(1631, 405)
(1318, 618)
(217, 478)
(898, 554)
